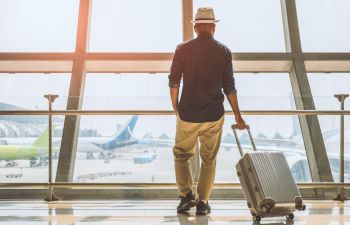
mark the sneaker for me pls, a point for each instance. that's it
(203, 208)
(186, 203)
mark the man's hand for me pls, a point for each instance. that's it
(232, 99)
(240, 123)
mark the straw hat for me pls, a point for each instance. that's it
(205, 15)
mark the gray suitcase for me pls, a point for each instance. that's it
(267, 183)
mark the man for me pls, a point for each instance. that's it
(205, 66)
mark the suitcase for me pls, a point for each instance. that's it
(267, 183)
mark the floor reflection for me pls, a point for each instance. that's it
(64, 216)
(159, 213)
(192, 219)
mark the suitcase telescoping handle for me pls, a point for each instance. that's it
(234, 127)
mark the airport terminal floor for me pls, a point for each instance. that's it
(160, 212)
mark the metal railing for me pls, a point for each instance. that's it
(51, 185)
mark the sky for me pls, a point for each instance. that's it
(155, 26)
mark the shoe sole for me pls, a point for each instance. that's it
(202, 213)
(187, 206)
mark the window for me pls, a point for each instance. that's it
(324, 25)
(330, 125)
(135, 26)
(249, 25)
(38, 25)
(263, 91)
(27, 91)
(27, 135)
(127, 92)
(126, 149)
(271, 133)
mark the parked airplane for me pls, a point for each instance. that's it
(107, 149)
(36, 152)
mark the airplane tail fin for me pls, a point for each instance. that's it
(43, 139)
(127, 129)
(123, 136)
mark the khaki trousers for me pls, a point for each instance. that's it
(187, 134)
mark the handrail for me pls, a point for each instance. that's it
(50, 185)
(167, 112)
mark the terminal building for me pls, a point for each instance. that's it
(87, 126)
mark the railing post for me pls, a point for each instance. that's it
(341, 195)
(51, 195)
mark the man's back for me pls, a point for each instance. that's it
(206, 68)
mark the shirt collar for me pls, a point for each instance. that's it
(205, 36)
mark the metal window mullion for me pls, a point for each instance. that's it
(187, 34)
(187, 15)
(311, 131)
(67, 156)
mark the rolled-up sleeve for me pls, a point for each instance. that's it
(176, 69)
(228, 81)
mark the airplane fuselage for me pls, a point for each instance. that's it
(22, 152)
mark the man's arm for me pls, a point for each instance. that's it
(228, 86)
(175, 77)
(232, 99)
(174, 94)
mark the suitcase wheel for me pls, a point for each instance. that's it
(290, 217)
(256, 218)
(303, 208)
(266, 209)
(299, 204)
(267, 204)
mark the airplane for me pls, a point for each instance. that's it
(36, 152)
(107, 149)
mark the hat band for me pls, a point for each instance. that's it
(205, 19)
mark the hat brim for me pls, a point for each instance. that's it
(204, 21)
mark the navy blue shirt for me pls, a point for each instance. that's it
(205, 66)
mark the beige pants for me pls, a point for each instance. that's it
(187, 134)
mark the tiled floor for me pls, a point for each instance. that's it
(158, 213)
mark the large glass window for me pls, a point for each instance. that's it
(325, 85)
(38, 25)
(127, 92)
(24, 148)
(330, 125)
(135, 26)
(249, 25)
(24, 139)
(263, 91)
(272, 133)
(143, 156)
(125, 149)
(26, 91)
(324, 25)
(150, 91)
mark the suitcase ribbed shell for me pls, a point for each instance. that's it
(266, 175)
